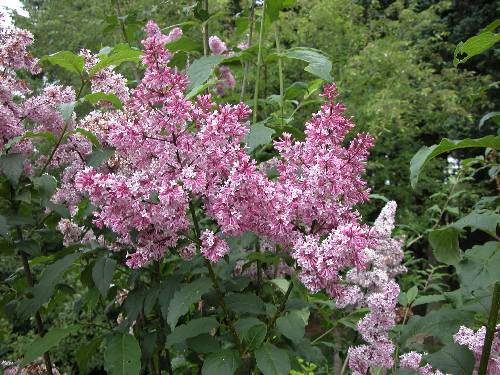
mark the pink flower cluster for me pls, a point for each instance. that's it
(475, 341)
(412, 361)
(14, 55)
(225, 77)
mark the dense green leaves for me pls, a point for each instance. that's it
(425, 154)
(122, 355)
(272, 360)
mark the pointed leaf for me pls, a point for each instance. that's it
(425, 154)
(122, 355)
(86, 352)
(102, 273)
(97, 97)
(42, 344)
(201, 70)
(452, 359)
(120, 54)
(444, 242)
(245, 303)
(66, 60)
(318, 64)
(480, 267)
(272, 360)
(259, 135)
(292, 326)
(45, 287)
(185, 297)
(225, 362)
(193, 328)
(12, 167)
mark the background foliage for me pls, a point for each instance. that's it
(393, 64)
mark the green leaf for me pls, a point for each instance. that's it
(273, 8)
(66, 60)
(45, 287)
(379, 197)
(474, 46)
(203, 344)
(259, 135)
(42, 344)
(49, 136)
(292, 326)
(411, 294)
(480, 266)
(452, 359)
(193, 328)
(46, 185)
(86, 352)
(89, 135)
(30, 247)
(96, 97)
(4, 227)
(309, 352)
(486, 221)
(422, 300)
(252, 330)
(225, 362)
(272, 360)
(102, 273)
(201, 70)
(442, 324)
(167, 290)
(120, 54)
(490, 115)
(184, 43)
(352, 319)
(97, 157)
(184, 297)
(245, 303)
(60, 209)
(134, 303)
(444, 242)
(282, 284)
(425, 154)
(122, 355)
(66, 110)
(318, 64)
(12, 167)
